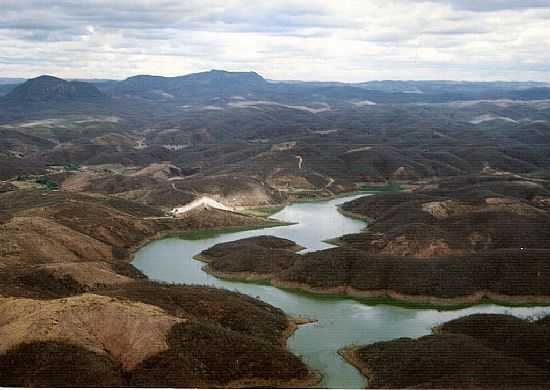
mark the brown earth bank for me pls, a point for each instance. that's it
(506, 275)
(58, 227)
(166, 186)
(74, 312)
(455, 216)
(477, 351)
(147, 187)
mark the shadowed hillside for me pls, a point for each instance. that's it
(73, 305)
(477, 351)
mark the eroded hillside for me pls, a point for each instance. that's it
(71, 302)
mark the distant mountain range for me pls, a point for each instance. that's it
(215, 83)
(250, 86)
(52, 89)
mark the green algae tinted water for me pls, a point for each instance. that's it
(340, 322)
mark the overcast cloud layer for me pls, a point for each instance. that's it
(344, 40)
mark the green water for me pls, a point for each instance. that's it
(340, 321)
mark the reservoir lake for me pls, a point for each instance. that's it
(340, 321)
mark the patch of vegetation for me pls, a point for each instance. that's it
(454, 216)
(514, 336)
(254, 258)
(264, 241)
(18, 281)
(446, 361)
(49, 184)
(202, 234)
(202, 354)
(263, 211)
(476, 351)
(71, 167)
(127, 269)
(388, 187)
(7, 187)
(232, 310)
(24, 178)
(50, 284)
(56, 364)
(504, 272)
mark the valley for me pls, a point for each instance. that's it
(284, 194)
(220, 211)
(339, 321)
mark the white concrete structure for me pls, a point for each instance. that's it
(300, 161)
(203, 201)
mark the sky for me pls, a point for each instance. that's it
(336, 40)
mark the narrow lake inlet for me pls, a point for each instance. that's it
(340, 321)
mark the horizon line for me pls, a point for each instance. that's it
(105, 79)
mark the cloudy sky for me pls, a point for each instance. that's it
(344, 40)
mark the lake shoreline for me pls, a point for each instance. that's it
(313, 378)
(353, 215)
(318, 345)
(390, 297)
(177, 233)
(349, 354)
(420, 301)
(235, 228)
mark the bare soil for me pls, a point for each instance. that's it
(68, 290)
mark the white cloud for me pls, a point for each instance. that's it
(347, 40)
